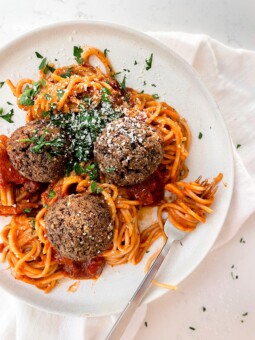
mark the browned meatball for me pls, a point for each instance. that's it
(38, 151)
(80, 226)
(128, 151)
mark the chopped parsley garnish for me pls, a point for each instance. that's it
(146, 323)
(242, 240)
(49, 68)
(1, 84)
(90, 169)
(52, 194)
(144, 83)
(154, 85)
(149, 62)
(204, 309)
(44, 65)
(105, 94)
(114, 75)
(47, 96)
(53, 147)
(135, 63)
(238, 146)
(67, 73)
(192, 328)
(155, 96)
(28, 95)
(110, 169)
(83, 127)
(46, 206)
(106, 51)
(77, 51)
(60, 93)
(7, 116)
(32, 223)
(45, 113)
(123, 83)
(126, 70)
(38, 55)
(9, 103)
(200, 135)
(142, 92)
(27, 210)
(43, 83)
(94, 188)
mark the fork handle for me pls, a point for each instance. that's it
(123, 320)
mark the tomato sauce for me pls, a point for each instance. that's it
(150, 191)
(90, 269)
(1, 247)
(7, 172)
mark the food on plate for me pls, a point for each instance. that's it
(38, 151)
(93, 153)
(79, 226)
(128, 151)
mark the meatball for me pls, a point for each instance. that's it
(79, 226)
(128, 151)
(37, 151)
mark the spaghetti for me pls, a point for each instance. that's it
(66, 90)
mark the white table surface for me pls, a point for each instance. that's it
(211, 285)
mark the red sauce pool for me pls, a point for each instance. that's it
(7, 172)
(90, 269)
(151, 191)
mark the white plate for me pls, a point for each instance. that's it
(179, 85)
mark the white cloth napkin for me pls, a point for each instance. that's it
(230, 76)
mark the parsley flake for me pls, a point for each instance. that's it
(52, 194)
(60, 93)
(32, 223)
(43, 83)
(94, 188)
(155, 96)
(7, 116)
(106, 51)
(77, 51)
(43, 63)
(1, 84)
(27, 210)
(47, 96)
(200, 135)
(238, 146)
(111, 169)
(9, 103)
(135, 63)
(192, 328)
(123, 83)
(146, 323)
(105, 95)
(149, 62)
(28, 95)
(38, 55)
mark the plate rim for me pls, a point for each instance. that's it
(209, 98)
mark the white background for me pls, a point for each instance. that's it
(211, 285)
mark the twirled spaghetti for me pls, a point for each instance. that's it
(25, 244)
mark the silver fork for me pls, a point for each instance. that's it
(173, 234)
